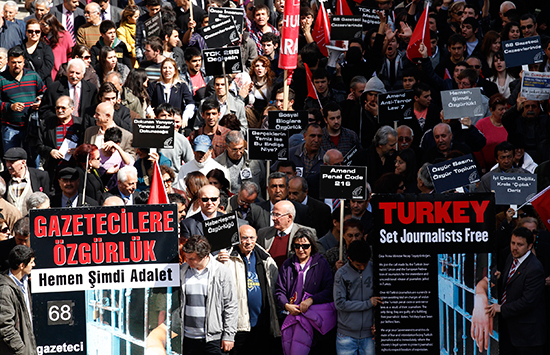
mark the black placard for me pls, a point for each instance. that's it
(345, 182)
(153, 133)
(153, 26)
(450, 174)
(215, 57)
(348, 158)
(345, 27)
(522, 51)
(395, 106)
(267, 144)
(513, 189)
(292, 121)
(220, 34)
(222, 232)
(462, 103)
(217, 14)
(370, 18)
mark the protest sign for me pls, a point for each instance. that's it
(513, 189)
(215, 57)
(98, 270)
(222, 232)
(450, 174)
(370, 18)
(153, 26)
(220, 34)
(522, 51)
(217, 14)
(292, 121)
(395, 106)
(430, 251)
(345, 27)
(345, 182)
(462, 103)
(348, 158)
(535, 85)
(267, 144)
(288, 55)
(152, 133)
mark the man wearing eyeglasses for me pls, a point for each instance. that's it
(209, 201)
(528, 25)
(243, 201)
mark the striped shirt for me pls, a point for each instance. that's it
(11, 91)
(196, 289)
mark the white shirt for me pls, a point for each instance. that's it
(64, 18)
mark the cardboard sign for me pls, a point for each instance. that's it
(345, 182)
(395, 106)
(450, 174)
(345, 27)
(522, 51)
(221, 34)
(370, 18)
(222, 232)
(292, 121)
(267, 144)
(535, 85)
(215, 58)
(153, 26)
(513, 189)
(217, 14)
(462, 103)
(153, 133)
(348, 158)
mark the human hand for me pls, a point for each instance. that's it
(492, 310)
(466, 121)
(376, 300)
(227, 345)
(389, 33)
(223, 256)
(17, 107)
(110, 145)
(382, 16)
(154, 157)
(35, 105)
(305, 304)
(339, 264)
(520, 101)
(547, 281)
(56, 154)
(191, 25)
(423, 50)
(293, 309)
(497, 274)
(372, 107)
(113, 169)
(245, 89)
(510, 214)
(482, 325)
(407, 32)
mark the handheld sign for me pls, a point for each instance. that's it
(395, 106)
(348, 182)
(267, 144)
(370, 18)
(292, 121)
(535, 85)
(522, 51)
(348, 158)
(345, 27)
(222, 232)
(231, 56)
(221, 33)
(153, 26)
(462, 103)
(513, 189)
(450, 174)
(152, 133)
(217, 14)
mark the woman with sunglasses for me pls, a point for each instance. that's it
(59, 40)
(4, 229)
(38, 55)
(193, 183)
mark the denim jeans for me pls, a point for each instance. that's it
(351, 346)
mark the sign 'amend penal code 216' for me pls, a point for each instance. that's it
(267, 144)
(343, 182)
(215, 58)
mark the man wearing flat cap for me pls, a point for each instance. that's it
(21, 180)
(69, 180)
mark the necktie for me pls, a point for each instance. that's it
(70, 26)
(335, 203)
(76, 100)
(512, 272)
(69, 202)
(103, 12)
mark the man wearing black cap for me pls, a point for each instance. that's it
(69, 196)
(21, 181)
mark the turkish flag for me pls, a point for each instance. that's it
(321, 31)
(541, 203)
(421, 34)
(342, 8)
(157, 194)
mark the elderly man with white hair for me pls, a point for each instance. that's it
(10, 12)
(126, 187)
(82, 92)
(88, 34)
(11, 34)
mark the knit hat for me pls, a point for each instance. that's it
(373, 85)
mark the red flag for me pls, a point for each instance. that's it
(321, 31)
(421, 34)
(447, 74)
(311, 92)
(342, 8)
(158, 192)
(541, 203)
(288, 55)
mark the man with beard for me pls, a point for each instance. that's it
(443, 136)
(379, 156)
(309, 155)
(334, 135)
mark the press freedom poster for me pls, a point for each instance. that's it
(105, 278)
(433, 265)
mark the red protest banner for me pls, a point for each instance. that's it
(288, 56)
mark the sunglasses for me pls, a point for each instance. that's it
(5, 229)
(34, 32)
(86, 56)
(302, 246)
(526, 27)
(459, 13)
(205, 199)
(476, 66)
(405, 139)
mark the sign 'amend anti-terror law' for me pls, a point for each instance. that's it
(522, 51)
(293, 121)
(513, 189)
(395, 106)
(216, 58)
(222, 232)
(345, 182)
(462, 103)
(221, 33)
(151, 133)
(267, 144)
(450, 174)
(345, 27)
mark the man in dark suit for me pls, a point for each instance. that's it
(69, 180)
(109, 11)
(71, 16)
(521, 286)
(319, 212)
(82, 92)
(209, 201)
(243, 201)
(127, 178)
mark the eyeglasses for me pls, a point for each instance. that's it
(5, 229)
(278, 215)
(243, 238)
(206, 199)
(33, 32)
(86, 57)
(302, 246)
(404, 139)
(526, 27)
(167, 181)
(244, 203)
(63, 108)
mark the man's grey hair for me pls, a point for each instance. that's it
(2, 186)
(277, 175)
(36, 199)
(234, 137)
(42, 2)
(405, 126)
(424, 176)
(114, 73)
(93, 6)
(305, 185)
(250, 187)
(12, 4)
(443, 125)
(4, 51)
(381, 136)
(357, 80)
(123, 173)
(77, 61)
(507, 4)
(290, 209)
(65, 97)
(22, 226)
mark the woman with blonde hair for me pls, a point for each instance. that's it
(127, 30)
